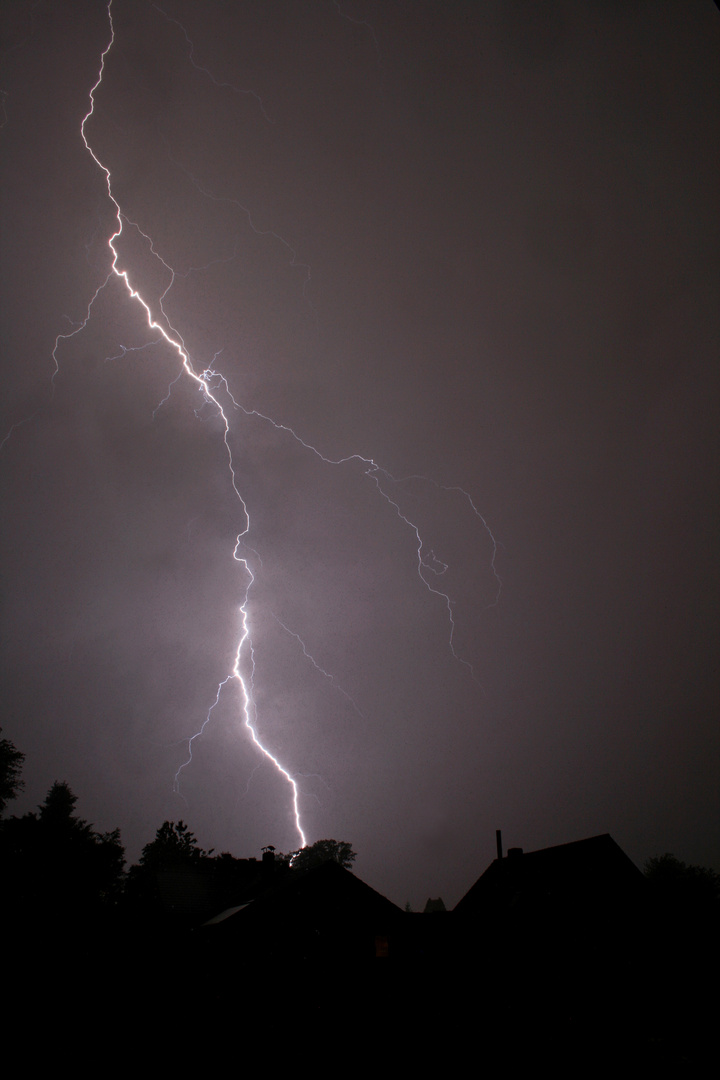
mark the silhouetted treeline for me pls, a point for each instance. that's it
(568, 955)
(56, 867)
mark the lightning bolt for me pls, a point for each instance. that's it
(204, 383)
(248, 708)
(216, 394)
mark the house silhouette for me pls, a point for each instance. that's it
(592, 877)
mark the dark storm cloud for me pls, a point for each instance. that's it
(474, 242)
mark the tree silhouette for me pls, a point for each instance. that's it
(55, 854)
(11, 763)
(173, 877)
(173, 843)
(678, 883)
(58, 809)
(321, 851)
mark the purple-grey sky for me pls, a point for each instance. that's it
(476, 243)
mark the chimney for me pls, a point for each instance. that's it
(498, 843)
(268, 861)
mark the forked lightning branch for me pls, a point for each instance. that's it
(210, 383)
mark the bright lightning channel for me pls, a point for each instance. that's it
(209, 381)
(175, 341)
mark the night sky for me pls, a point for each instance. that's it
(473, 243)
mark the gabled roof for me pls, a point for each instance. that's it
(324, 894)
(592, 872)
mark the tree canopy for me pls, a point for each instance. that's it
(11, 763)
(173, 879)
(57, 854)
(58, 810)
(682, 883)
(173, 843)
(321, 851)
